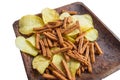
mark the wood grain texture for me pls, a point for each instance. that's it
(110, 44)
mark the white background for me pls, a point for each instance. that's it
(11, 65)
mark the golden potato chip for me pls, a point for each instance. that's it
(31, 40)
(73, 66)
(24, 46)
(28, 22)
(70, 38)
(91, 34)
(40, 63)
(63, 15)
(49, 15)
(57, 58)
(88, 17)
(74, 33)
(85, 21)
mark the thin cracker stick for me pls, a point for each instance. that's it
(61, 77)
(82, 69)
(58, 70)
(44, 30)
(43, 47)
(61, 50)
(48, 52)
(50, 36)
(92, 53)
(60, 36)
(66, 44)
(80, 45)
(80, 36)
(49, 43)
(77, 57)
(72, 44)
(87, 52)
(48, 76)
(55, 24)
(98, 48)
(55, 44)
(70, 12)
(65, 22)
(84, 47)
(45, 42)
(89, 65)
(69, 19)
(67, 58)
(78, 72)
(66, 69)
(70, 29)
(37, 38)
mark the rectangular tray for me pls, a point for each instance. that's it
(110, 44)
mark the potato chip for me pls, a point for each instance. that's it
(26, 47)
(40, 63)
(73, 66)
(91, 34)
(63, 15)
(31, 40)
(74, 33)
(28, 22)
(85, 21)
(57, 58)
(70, 39)
(49, 15)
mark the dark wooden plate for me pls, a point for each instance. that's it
(104, 65)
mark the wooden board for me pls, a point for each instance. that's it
(104, 65)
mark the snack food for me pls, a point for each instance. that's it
(54, 35)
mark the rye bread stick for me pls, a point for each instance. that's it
(66, 69)
(80, 45)
(84, 47)
(67, 58)
(44, 30)
(49, 43)
(98, 48)
(70, 12)
(80, 36)
(50, 36)
(78, 72)
(58, 70)
(59, 36)
(92, 53)
(66, 44)
(48, 52)
(89, 65)
(70, 29)
(87, 52)
(42, 47)
(61, 77)
(37, 38)
(48, 76)
(65, 23)
(72, 44)
(78, 58)
(55, 24)
(45, 42)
